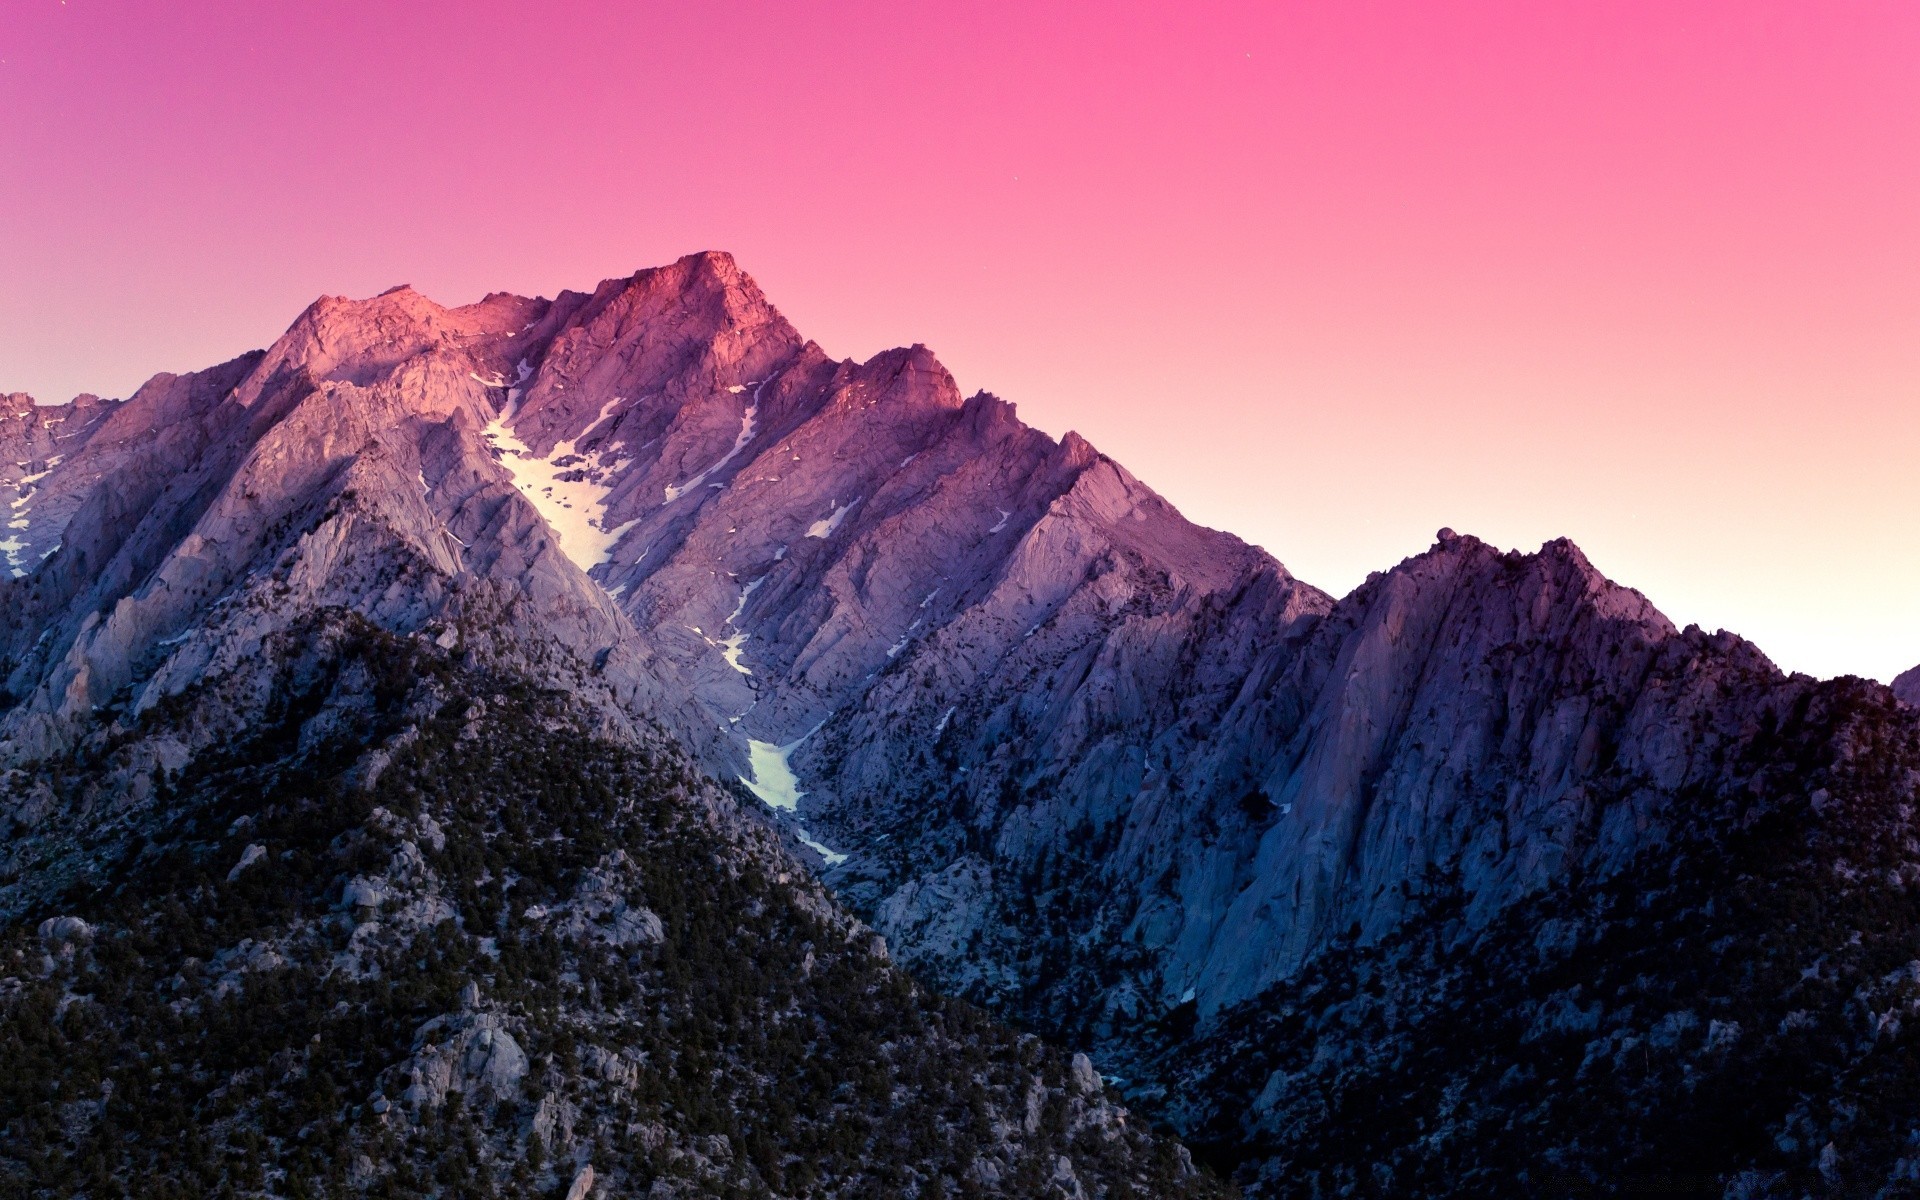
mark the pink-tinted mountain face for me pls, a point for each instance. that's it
(1076, 757)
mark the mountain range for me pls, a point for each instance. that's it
(520, 674)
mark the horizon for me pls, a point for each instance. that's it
(1326, 280)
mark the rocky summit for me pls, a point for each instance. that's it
(607, 745)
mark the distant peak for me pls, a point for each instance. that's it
(1907, 687)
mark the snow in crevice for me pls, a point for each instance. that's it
(12, 547)
(747, 421)
(944, 718)
(834, 857)
(824, 527)
(773, 780)
(734, 643)
(1004, 515)
(906, 637)
(20, 519)
(575, 508)
(600, 417)
(29, 480)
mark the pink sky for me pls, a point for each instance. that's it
(1329, 275)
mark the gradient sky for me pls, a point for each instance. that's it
(1329, 275)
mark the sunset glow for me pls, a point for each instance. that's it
(1330, 276)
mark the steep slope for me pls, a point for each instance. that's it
(327, 470)
(1729, 1012)
(1453, 713)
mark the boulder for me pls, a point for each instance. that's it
(251, 855)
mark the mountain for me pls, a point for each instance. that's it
(1360, 894)
(351, 842)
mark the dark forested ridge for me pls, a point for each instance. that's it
(489, 953)
(1737, 1013)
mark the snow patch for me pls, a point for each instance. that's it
(574, 508)
(12, 547)
(21, 518)
(598, 420)
(737, 640)
(772, 778)
(774, 782)
(834, 857)
(740, 441)
(1004, 514)
(906, 637)
(824, 527)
